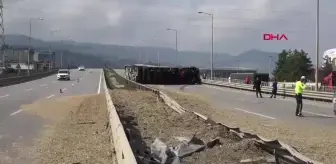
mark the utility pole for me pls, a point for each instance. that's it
(2, 34)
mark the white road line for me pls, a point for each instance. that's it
(64, 89)
(72, 84)
(50, 96)
(100, 77)
(255, 113)
(29, 89)
(16, 112)
(43, 85)
(54, 82)
(4, 96)
(323, 115)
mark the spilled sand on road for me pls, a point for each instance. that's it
(43, 115)
(75, 131)
(315, 142)
(81, 137)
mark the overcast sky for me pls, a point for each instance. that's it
(239, 24)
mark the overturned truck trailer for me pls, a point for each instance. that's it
(150, 74)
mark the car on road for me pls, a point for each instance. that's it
(81, 68)
(63, 74)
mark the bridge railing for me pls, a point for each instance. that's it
(282, 90)
(289, 85)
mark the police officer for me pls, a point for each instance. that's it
(299, 87)
(274, 88)
(257, 87)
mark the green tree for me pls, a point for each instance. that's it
(278, 72)
(326, 67)
(291, 65)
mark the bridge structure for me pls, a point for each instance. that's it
(17, 124)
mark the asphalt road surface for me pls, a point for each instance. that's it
(16, 125)
(315, 112)
(246, 102)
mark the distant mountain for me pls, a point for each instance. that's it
(118, 55)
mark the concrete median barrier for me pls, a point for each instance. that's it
(123, 151)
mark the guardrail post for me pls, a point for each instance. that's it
(276, 157)
(334, 103)
(284, 89)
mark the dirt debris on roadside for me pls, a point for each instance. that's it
(147, 119)
(317, 143)
(81, 136)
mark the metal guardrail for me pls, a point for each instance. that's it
(21, 79)
(312, 95)
(279, 149)
(289, 85)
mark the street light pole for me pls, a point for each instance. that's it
(51, 34)
(49, 57)
(317, 43)
(61, 54)
(212, 41)
(158, 58)
(270, 66)
(176, 51)
(29, 37)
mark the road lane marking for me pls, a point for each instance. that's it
(64, 89)
(4, 96)
(100, 77)
(54, 82)
(16, 112)
(323, 115)
(269, 117)
(29, 89)
(50, 96)
(43, 85)
(72, 84)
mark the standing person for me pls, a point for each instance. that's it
(299, 87)
(257, 86)
(274, 88)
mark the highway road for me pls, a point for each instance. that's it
(16, 125)
(318, 113)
